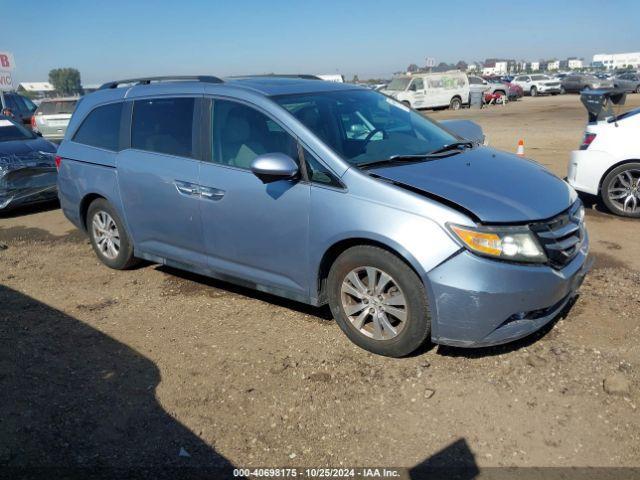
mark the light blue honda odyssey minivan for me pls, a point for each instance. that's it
(325, 193)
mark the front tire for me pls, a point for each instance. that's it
(637, 89)
(109, 237)
(620, 190)
(378, 301)
(533, 92)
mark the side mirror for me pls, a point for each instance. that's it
(274, 166)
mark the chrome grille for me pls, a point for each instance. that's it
(562, 236)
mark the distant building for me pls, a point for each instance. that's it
(37, 89)
(495, 67)
(534, 66)
(553, 65)
(611, 61)
(574, 63)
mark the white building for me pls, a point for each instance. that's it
(612, 61)
(496, 68)
(38, 89)
(553, 65)
(574, 63)
(535, 66)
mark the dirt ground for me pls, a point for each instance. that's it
(155, 367)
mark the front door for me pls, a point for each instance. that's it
(417, 93)
(253, 230)
(158, 179)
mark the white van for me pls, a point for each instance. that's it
(430, 90)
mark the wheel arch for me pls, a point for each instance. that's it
(337, 248)
(84, 206)
(613, 167)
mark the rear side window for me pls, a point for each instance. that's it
(101, 128)
(163, 125)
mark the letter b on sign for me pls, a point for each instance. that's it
(4, 61)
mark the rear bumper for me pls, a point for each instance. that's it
(479, 302)
(586, 169)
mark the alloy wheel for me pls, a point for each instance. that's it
(624, 191)
(374, 303)
(105, 234)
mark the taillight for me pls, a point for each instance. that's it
(587, 140)
(58, 160)
(33, 122)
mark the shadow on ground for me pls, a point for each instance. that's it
(195, 283)
(30, 209)
(76, 400)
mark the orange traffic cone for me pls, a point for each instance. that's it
(520, 150)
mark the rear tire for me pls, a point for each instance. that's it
(388, 316)
(407, 103)
(533, 92)
(455, 104)
(637, 89)
(618, 186)
(109, 236)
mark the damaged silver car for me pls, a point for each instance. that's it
(27, 166)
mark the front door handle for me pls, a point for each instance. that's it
(186, 188)
(210, 193)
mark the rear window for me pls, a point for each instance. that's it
(101, 128)
(58, 107)
(163, 125)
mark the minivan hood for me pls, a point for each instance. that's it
(495, 186)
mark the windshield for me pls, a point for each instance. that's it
(58, 107)
(398, 84)
(364, 126)
(10, 131)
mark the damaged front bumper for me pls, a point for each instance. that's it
(27, 178)
(480, 302)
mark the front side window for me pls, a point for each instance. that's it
(363, 126)
(101, 128)
(241, 133)
(163, 125)
(318, 173)
(417, 85)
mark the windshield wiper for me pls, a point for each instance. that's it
(393, 159)
(450, 147)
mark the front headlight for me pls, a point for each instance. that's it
(517, 244)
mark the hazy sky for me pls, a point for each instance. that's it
(113, 39)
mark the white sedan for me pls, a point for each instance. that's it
(608, 161)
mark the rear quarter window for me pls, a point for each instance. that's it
(101, 128)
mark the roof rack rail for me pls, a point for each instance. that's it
(304, 76)
(148, 80)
